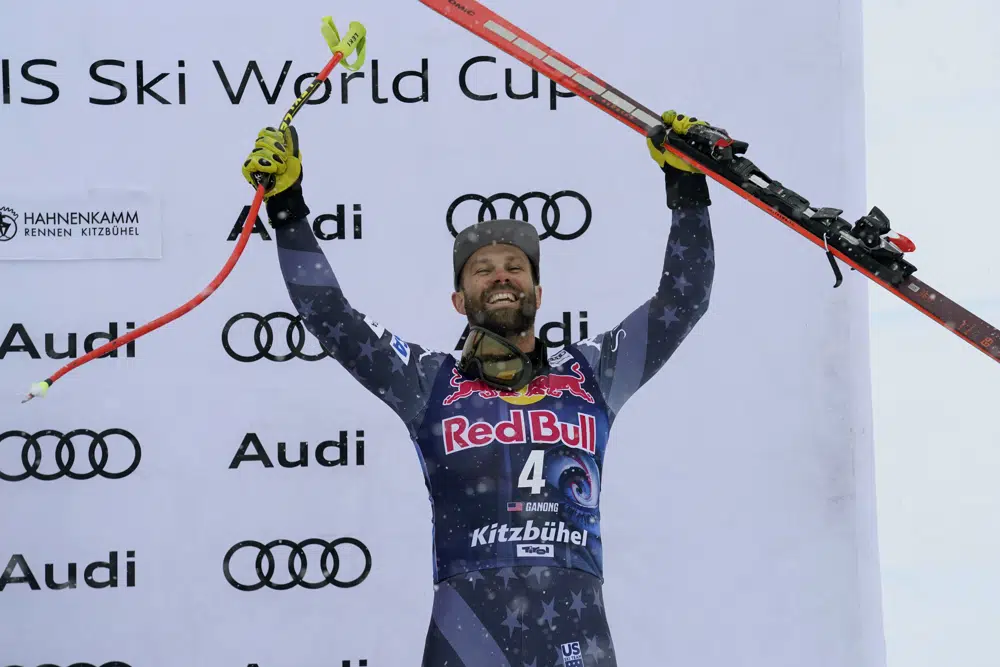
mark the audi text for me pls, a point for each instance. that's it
(328, 453)
(61, 346)
(326, 226)
(564, 326)
(99, 574)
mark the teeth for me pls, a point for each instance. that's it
(505, 296)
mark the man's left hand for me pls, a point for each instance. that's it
(680, 124)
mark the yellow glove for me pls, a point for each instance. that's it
(680, 124)
(276, 155)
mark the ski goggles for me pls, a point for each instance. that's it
(494, 360)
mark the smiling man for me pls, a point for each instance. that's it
(496, 278)
(511, 440)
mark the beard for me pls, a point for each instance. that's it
(513, 320)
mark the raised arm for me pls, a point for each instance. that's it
(628, 355)
(398, 372)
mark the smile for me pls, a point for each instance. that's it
(501, 298)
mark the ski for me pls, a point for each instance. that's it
(864, 245)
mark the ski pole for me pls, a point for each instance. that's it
(354, 41)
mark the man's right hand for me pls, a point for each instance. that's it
(276, 155)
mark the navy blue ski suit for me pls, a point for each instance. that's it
(514, 478)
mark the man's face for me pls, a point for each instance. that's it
(498, 291)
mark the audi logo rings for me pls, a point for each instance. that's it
(264, 337)
(550, 217)
(98, 454)
(264, 564)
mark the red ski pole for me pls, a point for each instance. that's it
(354, 41)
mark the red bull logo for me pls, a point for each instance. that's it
(540, 427)
(553, 384)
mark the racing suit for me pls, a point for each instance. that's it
(514, 478)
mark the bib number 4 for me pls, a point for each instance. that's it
(533, 473)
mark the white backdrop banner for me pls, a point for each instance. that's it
(738, 501)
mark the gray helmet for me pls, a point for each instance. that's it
(517, 233)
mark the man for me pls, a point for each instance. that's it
(511, 441)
